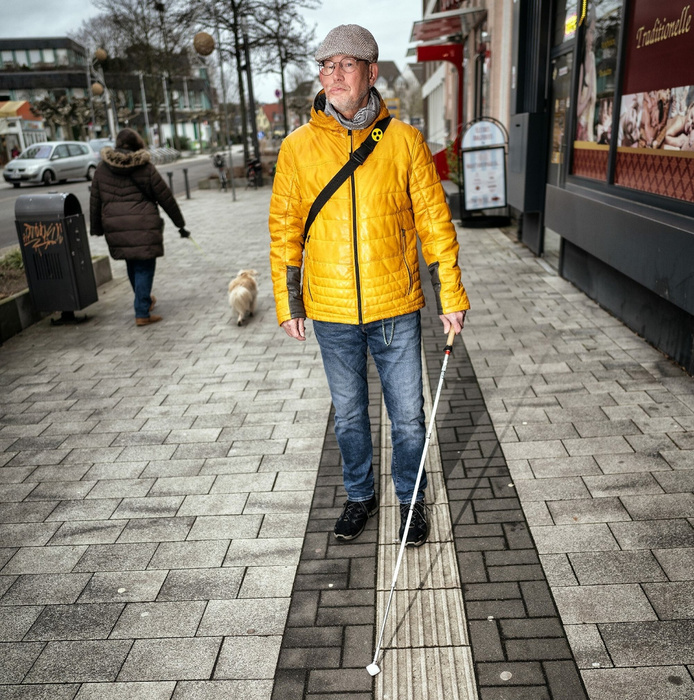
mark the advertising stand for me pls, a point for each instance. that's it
(482, 172)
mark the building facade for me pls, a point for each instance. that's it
(601, 155)
(60, 69)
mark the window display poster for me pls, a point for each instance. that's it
(597, 71)
(657, 108)
(484, 176)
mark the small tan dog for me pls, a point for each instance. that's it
(243, 292)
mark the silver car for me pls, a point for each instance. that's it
(52, 161)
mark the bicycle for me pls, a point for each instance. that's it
(254, 171)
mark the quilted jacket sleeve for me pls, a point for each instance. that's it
(165, 197)
(286, 238)
(436, 231)
(95, 225)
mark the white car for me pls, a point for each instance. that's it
(52, 161)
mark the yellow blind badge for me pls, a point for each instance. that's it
(377, 134)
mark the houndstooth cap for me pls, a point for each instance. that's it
(349, 40)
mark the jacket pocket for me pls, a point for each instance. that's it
(403, 239)
(306, 266)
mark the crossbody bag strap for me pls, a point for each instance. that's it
(355, 160)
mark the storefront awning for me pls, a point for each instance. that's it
(439, 26)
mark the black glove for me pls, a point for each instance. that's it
(185, 233)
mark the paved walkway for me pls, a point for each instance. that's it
(167, 496)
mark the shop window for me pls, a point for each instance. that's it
(655, 142)
(596, 87)
(565, 21)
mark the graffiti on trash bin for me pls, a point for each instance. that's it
(41, 236)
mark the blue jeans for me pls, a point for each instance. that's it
(141, 275)
(395, 347)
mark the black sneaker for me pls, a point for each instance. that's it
(354, 516)
(419, 525)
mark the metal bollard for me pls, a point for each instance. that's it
(185, 179)
(170, 176)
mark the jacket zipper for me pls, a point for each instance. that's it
(354, 231)
(404, 257)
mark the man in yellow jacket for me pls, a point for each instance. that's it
(361, 282)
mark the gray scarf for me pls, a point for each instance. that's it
(363, 118)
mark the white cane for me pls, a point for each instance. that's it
(373, 667)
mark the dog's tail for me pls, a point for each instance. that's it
(241, 296)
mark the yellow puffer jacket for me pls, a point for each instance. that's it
(360, 261)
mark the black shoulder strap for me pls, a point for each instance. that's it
(355, 160)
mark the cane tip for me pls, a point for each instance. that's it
(373, 669)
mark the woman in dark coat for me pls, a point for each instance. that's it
(123, 206)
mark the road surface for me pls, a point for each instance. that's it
(198, 167)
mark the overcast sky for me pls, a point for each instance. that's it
(390, 21)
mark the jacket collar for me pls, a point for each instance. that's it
(321, 119)
(122, 161)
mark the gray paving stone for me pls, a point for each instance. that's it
(248, 658)
(278, 503)
(60, 472)
(156, 529)
(182, 485)
(654, 534)
(551, 489)
(132, 691)
(603, 603)
(10, 493)
(79, 661)
(116, 557)
(264, 552)
(564, 467)
(650, 643)
(219, 502)
(44, 589)
(123, 587)
(119, 470)
(622, 485)
(678, 564)
(231, 465)
(159, 619)
(149, 507)
(173, 468)
(660, 506)
(587, 646)
(88, 532)
(61, 490)
(268, 582)
(558, 570)
(223, 690)
(653, 683)
(43, 560)
(15, 621)
(72, 622)
(676, 481)
(672, 600)
(594, 568)
(251, 616)
(201, 554)
(121, 488)
(244, 483)
(575, 538)
(170, 659)
(16, 658)
(631, 463)
(227, 527)
(97, 509)
(593, 510)
(278, 524)
(202, 584)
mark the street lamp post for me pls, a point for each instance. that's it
(203, 43)
(144, 105)
(98, 87)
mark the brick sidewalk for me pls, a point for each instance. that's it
(155, 484)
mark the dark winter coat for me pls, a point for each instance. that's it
(123, 205)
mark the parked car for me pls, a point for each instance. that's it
(52, 161)
(98, 144)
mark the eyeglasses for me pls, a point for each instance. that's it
(347, 65)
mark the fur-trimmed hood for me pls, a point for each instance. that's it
(121, 161)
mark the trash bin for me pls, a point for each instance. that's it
(55, 249)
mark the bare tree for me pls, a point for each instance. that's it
(282, 32)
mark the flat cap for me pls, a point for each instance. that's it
(349, 40)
